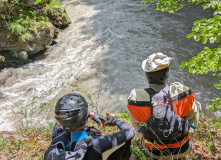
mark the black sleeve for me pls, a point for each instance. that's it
(106, 142)
(56, 130)
(54, 153)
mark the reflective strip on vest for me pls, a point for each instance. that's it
(163, 146)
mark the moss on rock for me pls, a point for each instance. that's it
(30, 25)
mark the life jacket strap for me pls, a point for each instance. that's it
(163, 146)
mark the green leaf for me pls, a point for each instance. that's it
(190, 35)
(212, 39)
(208, 60)
(183, 64)
(217, 75)
(204, 40)
(39, 1)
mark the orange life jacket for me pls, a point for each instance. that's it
(165, 118)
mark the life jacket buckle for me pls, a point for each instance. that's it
(180, 128)
(166, 133)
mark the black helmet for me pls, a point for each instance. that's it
(158, 77)
(71, 111)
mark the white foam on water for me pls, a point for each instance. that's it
(104, 46)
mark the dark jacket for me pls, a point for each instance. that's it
(114, 146)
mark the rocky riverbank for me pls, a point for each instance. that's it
(27, 27)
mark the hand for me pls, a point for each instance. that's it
(110, 121)
(99, 119)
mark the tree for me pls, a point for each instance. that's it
(207, 30)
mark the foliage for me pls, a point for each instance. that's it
(207, 30)
(31, 146)
(56, 12)
(138, 152)
(2, 58)
(36, 140)
(207, 137)
(39, 1)
(22, 23)
(27, 25)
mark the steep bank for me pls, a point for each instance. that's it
(26, 27)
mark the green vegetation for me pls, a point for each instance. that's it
(206, 140)
(2, 58)
(33, 144)
(35, 137)
(56, 12)
(22, 23)
(207, 30)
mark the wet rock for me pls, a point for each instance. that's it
(3, 9)
(16, 49)
(43, 38)
(38, 43)
(23, 55)
(14, 54)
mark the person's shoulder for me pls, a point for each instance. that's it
(138, 95)
(135, 90)
(177, 88)
(179, 85)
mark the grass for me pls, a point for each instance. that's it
(34, 141)
(207, 139)
(31, 146)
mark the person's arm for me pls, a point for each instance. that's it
(139, 111)
(184, 103)
(99, 119)
(114, 141)
(136, 126)
(194, 113)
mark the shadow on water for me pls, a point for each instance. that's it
(132, 31)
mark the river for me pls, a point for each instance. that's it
(102, 51)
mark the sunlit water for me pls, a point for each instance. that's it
(104, 46)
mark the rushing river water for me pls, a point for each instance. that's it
(104, 46)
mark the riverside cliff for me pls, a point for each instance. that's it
(26, 27)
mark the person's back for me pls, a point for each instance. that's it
(162, 112)
(72, 142)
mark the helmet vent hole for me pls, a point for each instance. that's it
(150, 77)
(161, 78)
(76, 111)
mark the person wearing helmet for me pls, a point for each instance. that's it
(163, 115)
(72, 140)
